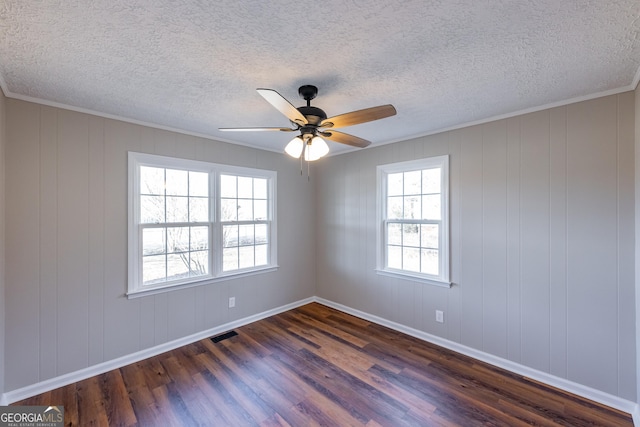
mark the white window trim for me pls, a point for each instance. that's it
(442, 162)
(135, 288)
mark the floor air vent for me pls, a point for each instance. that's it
(224, 336)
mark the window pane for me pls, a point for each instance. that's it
(198, 209)
(431, 207)
(245, 209)
(177, 266)
(199, 184)
(431, 181)
(177, 182)
(151, 180)
(246, 257)
(261, 233)
(394, 257)
(260, 210)
(394, 234)
(199, 238)
(228, 186)
(430, 262)
(153, 269)
(394, 207)
(246, 235)
(153, 241)
(177, 209)
(261, 255)
(429, 236)
(411, 259)
(245, 187)
(199, 263)
(394, 184)
(259, 188)
(177, 239)
(151, 209)
(230, 236)
(229, 210)
(412, 182)
(412, 207)
(230, 259)
(411, 235)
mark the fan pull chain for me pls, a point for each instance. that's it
(306, 155)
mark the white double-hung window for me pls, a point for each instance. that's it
(193, 222)
(413, 220)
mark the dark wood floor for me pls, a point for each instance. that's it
(317, 366)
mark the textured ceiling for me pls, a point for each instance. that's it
(194, 65)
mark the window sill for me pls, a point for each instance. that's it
(209, 280)
(414, 277)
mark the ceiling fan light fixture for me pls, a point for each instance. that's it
(315, 149)
(295, 147)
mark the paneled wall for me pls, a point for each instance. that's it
(66, 240)
(542, 241)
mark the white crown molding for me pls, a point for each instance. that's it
(630, 87)
(636, 80)
(549, 106)
(82, 110)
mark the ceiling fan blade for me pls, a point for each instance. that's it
(360, 116)
(255, 129)
(282, 105)
(345, 138)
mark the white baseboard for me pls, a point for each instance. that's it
(543, 377)
(72, 377)
(561, 383)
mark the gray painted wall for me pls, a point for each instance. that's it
(542, 241)
(66, 239)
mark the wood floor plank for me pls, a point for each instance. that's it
(240, 391)
(317, 366)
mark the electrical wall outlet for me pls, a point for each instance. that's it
(232, 302)
(439, 316)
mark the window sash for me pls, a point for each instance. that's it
(418, 246)
(167, 253)
(267, 242)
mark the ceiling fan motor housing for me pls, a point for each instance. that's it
(314, 115)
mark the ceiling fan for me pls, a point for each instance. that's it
(313, 123)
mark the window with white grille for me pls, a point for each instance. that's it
(413, 210)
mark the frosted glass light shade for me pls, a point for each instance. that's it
(294, 148)
(316, 149)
